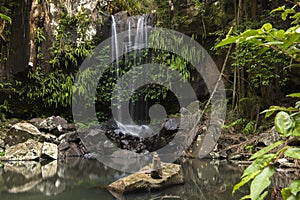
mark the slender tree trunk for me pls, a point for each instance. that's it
(243, 92)
(234, 87)
(253, 9)
(245, 9)
(239, 11)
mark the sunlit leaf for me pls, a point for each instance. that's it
(244, 181)
(283, 123)
(228, 40)
(266, 150)
(297, 95)
(281, 8)
(258, 164)
(267, 27)
(293, 152)
(284, 16)
(290, 40)
(273, 109)
(249, 33)
(273, 43)
(5, 17)
(279, 34)
(292, 191)
(263, 196)
(261, 182)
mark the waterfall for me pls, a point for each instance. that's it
(133, 44)
(115, 56)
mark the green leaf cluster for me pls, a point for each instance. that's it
(287, 120)
(268, 37)
(287, 124)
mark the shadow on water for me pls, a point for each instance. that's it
(85, 179)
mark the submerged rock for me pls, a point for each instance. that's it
(142, 181)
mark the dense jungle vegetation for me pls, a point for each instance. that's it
(255, 44)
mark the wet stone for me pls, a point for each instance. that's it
(49, 151)
(21, 132)
(29, 150)
(142, 181)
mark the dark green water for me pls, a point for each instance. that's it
(84, 179)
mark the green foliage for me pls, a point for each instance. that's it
(268, 37)
(262, 69)
(260, 183)
(238, 122)
(287, 120)
(292, 192)
(54, 89)
(259, 172)
(133, 7)
(249, 128)
(6, 11)
(4, 108)
(39, 35)
(65, 50)
(5, 17)
(242, 125)
(200, 5)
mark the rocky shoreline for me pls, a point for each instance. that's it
(44, 142)
(62, 140)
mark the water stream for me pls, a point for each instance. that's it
(79, 179)
(137, 33)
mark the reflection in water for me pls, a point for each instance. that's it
(84, 179)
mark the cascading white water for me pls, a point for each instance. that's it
(115, 56)
(139, 42)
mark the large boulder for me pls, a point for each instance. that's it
(142, 181)
(54, 124)
(29, 150)
(23, 131)
(49, 151)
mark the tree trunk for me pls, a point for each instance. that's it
(253, 9)
(239, 11)
(37, 18)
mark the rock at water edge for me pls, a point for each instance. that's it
(141, 181)
(29, 150)
(21, 132)
(49, 151)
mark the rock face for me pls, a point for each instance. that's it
(70, 145)
(49, 151)
(29, 150)
(21, 132)
(142, 181)
(269, 137)
(54, 124)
